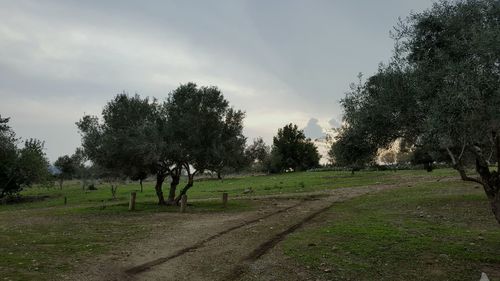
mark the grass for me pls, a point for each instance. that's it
(211, 188)
(432, 231)
(44, 239)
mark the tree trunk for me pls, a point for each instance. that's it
(219, 175)
(158, 188)
(173, 186)
(60, 183)
(140, 182)
(114, 188)
(490, 180)
(495, 206)
(185, 189)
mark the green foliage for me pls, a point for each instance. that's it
(66, 166)
(33, 164)
(292, 151)
(351, 149)
(440, 92)
(20, 167)
(9, 180)
(208, 133)
(258, 155)
(122, 144)
(451, 54)
(194, 128)
(441, 89)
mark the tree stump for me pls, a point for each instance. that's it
(183, 203)
(131, 204)
(224, 200)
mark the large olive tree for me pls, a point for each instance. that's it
(441, 91)
(125, 142)
(206, 131)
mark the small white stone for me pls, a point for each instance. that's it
(484, 277)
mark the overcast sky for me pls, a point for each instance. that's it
(280, 61)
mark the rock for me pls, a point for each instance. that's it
(327, 270)
(248, 190)
(444, 256)
(484, 277)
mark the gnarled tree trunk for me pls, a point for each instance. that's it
(173, 186)
(186, 188)
(160, 177)
(490, 180)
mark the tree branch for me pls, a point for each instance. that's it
(453, 160)
(481, 164)
(497, 139)
(461, 152)
(460, 168)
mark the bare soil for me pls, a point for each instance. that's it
(220, 246)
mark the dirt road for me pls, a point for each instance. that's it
(221, 246)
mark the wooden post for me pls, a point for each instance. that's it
(65, 200)
(224, 199)
(131, 204)
(183, 203)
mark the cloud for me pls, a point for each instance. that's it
(280, 62)
(334, 123)
(313, 130)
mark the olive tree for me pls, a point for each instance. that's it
(293, 151)
(67, 168)
(20, 167)
(206, 131)
(124, 142)
(441, 90)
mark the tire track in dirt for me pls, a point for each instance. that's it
(148, 265)
(240, 269)
(227, 253)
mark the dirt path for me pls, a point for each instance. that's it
(222, 246)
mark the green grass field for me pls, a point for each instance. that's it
(431, 231)
(437, 226)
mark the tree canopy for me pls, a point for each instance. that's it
(195, 129)
(207, 132)
(20, 167)
(293, 151)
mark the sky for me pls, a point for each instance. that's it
(280, 61)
